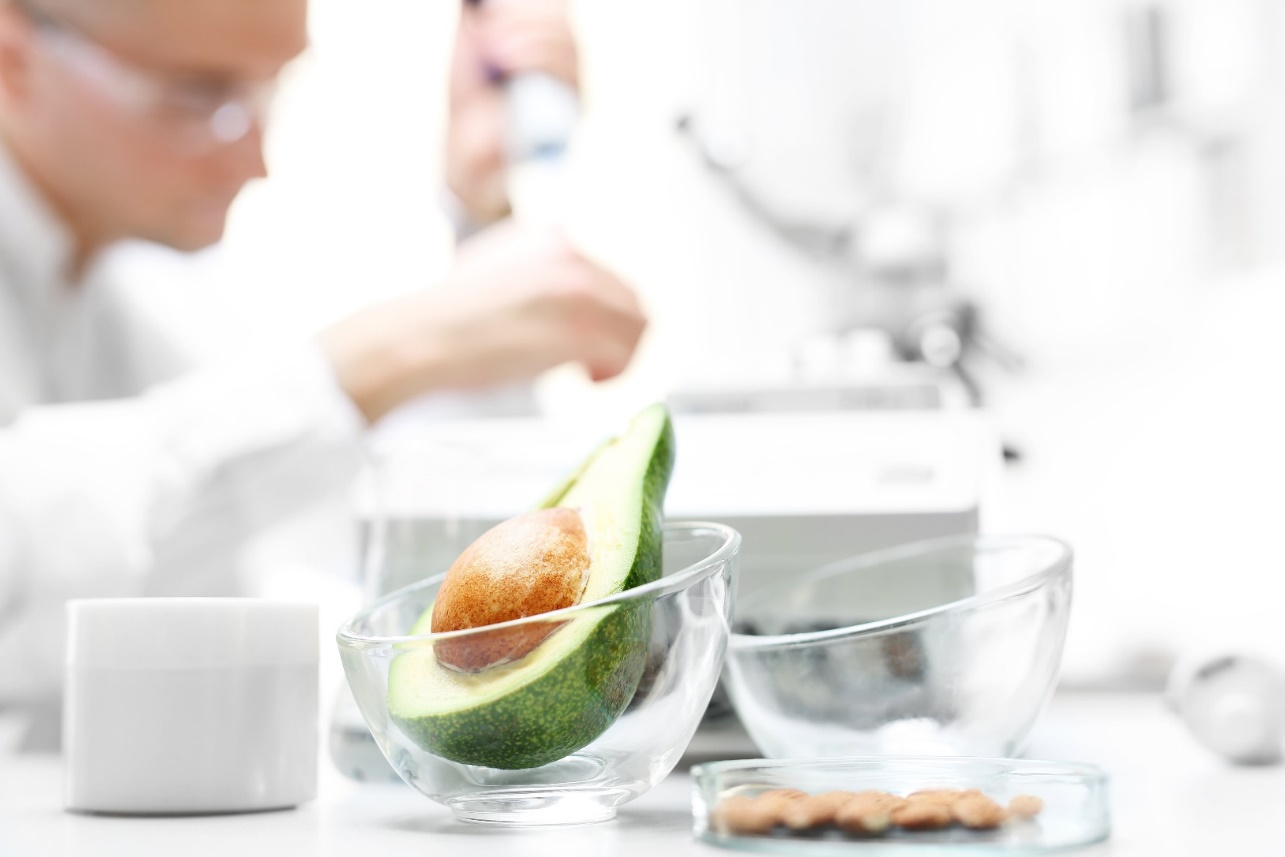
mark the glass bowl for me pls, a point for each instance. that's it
(1075, 810)
(944, 647)
(673, 635)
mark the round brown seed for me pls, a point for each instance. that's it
(978, 812)
(1025, 806)
(921, 815)
(815, 810)
(867, 812)
(792, 794)
(744, 815)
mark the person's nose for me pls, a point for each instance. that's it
(257, 166)
(243, 160)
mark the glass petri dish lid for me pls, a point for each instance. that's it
(1072, 802)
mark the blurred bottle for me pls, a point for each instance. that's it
(542, 116)
(1232, 704)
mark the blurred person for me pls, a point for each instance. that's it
(123, 470)
(495, 41)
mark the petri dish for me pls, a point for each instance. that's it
(1075, 810)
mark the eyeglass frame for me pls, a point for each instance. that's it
(147, 95)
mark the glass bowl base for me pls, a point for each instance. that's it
(538, 808)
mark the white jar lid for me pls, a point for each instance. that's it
(190, 633)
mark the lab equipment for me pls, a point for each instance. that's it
(541, 112)
(822, 123)
(804, 489)
(1233, 704)
(945, 647)
(687, 614)
(190, 705)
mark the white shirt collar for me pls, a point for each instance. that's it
(34, 244)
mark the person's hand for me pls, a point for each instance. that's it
(519, 301)
(495, 40)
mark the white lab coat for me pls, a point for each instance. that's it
(124, 470)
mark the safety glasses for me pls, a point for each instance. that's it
(196, 116)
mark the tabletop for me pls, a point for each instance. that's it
(1169, 797)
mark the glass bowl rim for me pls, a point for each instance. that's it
(665, 585)
(1087, 771)
(1058, 567)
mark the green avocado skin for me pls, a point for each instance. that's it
(580, 697)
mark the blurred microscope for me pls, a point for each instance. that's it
(804, 122)
(905, 153)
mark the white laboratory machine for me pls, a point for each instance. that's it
(803, 488)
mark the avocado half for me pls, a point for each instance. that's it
(573, 685)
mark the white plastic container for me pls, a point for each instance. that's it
(190, 705)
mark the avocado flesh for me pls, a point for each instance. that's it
(572, 687)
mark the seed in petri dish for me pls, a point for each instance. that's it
(867, 812)
(922, 815)
(978, 812)
(1025, 806)
(815, 810)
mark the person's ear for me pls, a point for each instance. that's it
(15, 54)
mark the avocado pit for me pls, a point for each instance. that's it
(532, 564)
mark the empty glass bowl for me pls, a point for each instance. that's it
(672, 635)
(944, 647)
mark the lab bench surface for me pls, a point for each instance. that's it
(1169, 797)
